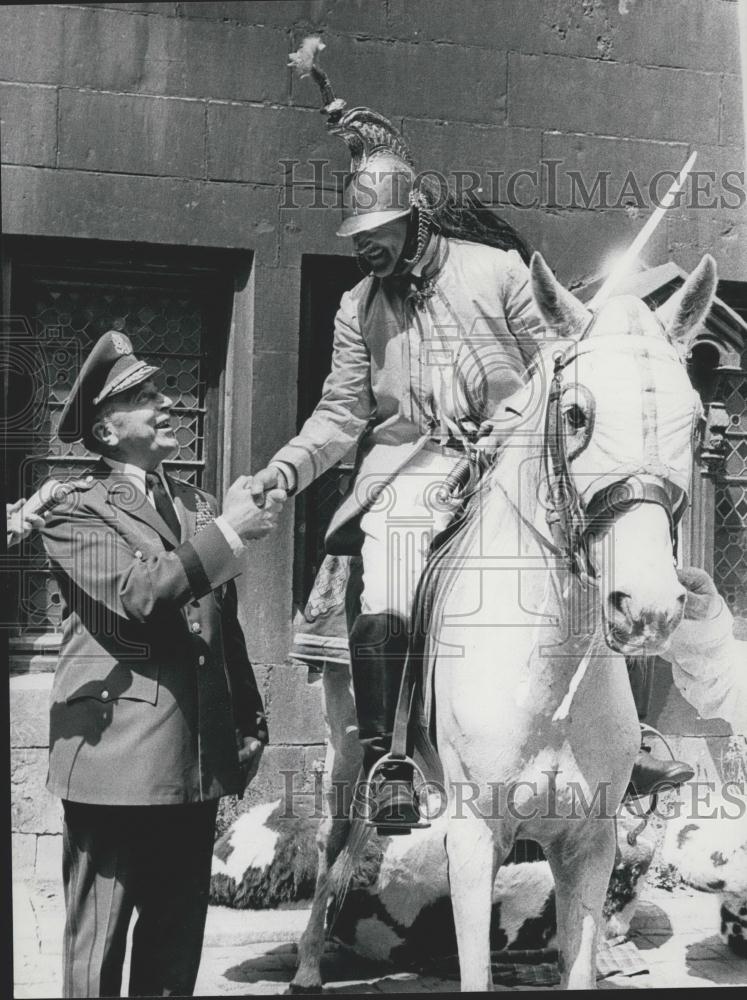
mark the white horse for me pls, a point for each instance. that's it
(565, 564)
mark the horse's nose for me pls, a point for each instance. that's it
(669, 618)
(649, 625)
(621, 604)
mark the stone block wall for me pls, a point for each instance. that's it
(167, 124)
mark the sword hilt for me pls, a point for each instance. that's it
(456, 480)
(459, 476)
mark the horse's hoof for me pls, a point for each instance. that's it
(298, 988)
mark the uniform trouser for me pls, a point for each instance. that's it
(152, 859)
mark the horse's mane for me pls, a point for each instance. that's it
(501, 481)
(516, 469)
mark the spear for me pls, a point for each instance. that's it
(459, 476)
(625, 262)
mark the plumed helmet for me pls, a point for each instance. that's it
(380, 185)
(377, 192)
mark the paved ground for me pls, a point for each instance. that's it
(250, 953)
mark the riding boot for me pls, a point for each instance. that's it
(378, 647)
(650, 774)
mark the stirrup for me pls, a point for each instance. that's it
(365, 810)
(647, 730)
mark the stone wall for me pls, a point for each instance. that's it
(166, 123)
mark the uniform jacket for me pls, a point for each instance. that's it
(398, 369)
(153, 677)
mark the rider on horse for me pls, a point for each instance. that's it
(426, 347)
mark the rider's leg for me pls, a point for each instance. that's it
(651, 773)
(378, 646)
(397, 537)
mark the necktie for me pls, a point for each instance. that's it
(164, 506)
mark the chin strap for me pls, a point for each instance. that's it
(419, 232)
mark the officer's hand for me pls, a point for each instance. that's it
(703, 599)
(250, 754)
(246, 518)
(20, 524)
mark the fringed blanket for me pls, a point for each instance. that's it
(320, 631)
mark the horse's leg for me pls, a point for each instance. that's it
(341, 767)
(581, 866)
(473, 860)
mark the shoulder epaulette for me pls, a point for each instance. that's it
(56, 491)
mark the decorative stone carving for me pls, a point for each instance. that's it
(713, 444)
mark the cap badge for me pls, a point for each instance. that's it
(121, 344)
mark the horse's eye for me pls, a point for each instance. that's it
(575, 417)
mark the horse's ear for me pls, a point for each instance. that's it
(560, 309)
(684, 311)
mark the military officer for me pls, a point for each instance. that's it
(155, 711)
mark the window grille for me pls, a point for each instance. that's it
(174, 318)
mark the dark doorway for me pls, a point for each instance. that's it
(175, 306)
(323, 281)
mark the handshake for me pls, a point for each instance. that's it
(253, 504)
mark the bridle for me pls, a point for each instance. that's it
(572, 521)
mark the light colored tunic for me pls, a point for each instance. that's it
(403, 374)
